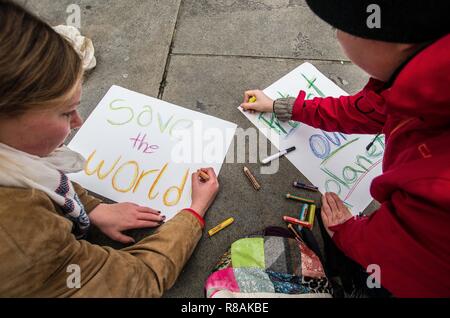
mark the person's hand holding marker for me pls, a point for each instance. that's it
(256, 100)
(204, 191)
(334, 212)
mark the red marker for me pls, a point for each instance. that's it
(288, 219)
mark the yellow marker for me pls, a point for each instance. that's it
(312, 213)
(252, 99)
(220, 227)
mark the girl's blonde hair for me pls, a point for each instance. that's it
(37, 65)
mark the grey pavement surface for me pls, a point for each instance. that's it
(202, 55)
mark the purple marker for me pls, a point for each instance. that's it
(305, 186)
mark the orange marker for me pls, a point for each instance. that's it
(203, 175)
(291, 220)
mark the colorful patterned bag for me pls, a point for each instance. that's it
(272, 264)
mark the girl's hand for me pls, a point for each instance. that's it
(113, 219)
(263, 103)
(204, 192)
(334, 212)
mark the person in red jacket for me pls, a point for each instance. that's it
(405, 47)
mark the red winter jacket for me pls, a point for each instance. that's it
(409, 236)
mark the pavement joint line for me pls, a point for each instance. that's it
(259, 57)
(163, 82)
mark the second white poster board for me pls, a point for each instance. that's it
(334, 162)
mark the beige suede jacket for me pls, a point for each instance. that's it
(37, 250)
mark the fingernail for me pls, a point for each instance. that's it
(164, 217)
(159, 212)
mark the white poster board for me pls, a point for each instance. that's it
(143, 150)
(334, 162)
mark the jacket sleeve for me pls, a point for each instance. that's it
(387, 246)
(89, 202)
(352, 239)
(146, 269)
(45, 252)
(358, 114)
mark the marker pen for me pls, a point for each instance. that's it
(220, 227)
(277, 155)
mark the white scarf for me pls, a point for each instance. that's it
(22, 170)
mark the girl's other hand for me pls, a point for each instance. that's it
(113, 219)
(334, 212)
(263, 103)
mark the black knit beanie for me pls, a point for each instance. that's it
(401, 21)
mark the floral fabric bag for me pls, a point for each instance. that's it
(272, 264)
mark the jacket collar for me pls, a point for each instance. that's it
(399, 69)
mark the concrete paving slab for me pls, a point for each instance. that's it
(271, 28)
(131, 38)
